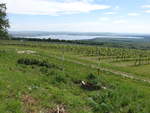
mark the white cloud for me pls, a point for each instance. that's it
(98, 26)
(52, 7)
(104, 19)
(133, 14)
(116, 8)
(147, 11)
(145, 6)
(120, 22)
(110, 13)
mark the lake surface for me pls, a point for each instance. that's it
(73, 35)
(79, 37)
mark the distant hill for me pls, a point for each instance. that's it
(94, 36)
(118, 40)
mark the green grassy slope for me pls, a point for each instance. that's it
(37, 88)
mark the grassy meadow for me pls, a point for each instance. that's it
(41, 77)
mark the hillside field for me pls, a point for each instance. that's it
(41, 77)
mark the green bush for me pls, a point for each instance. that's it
(31, 61)
(91, 76)
(13, 106)
(60, 78)
(95, 80)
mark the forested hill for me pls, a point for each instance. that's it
(107, 42)
(118, 40)
(76, 35)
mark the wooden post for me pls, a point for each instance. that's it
(98, 70)
(63, 59)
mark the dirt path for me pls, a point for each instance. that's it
(123, 74)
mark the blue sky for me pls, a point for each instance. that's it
(79, 15)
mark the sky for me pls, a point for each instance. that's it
(123, 16)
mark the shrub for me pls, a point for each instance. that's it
(91, 76)
(44, 70)
(58, 78)
(27, 61)
(93, 82)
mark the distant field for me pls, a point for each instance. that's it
(125, 66)
(40, 77)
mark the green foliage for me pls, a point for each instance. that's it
(31, 61)
(91, 76)
(13, 106)
(60, 78)
(118, 101)
(45, 86)
(95, 80)
(4, 24)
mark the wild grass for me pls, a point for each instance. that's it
(32, 83)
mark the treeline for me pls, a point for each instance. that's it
(103, 43)
(58, 41)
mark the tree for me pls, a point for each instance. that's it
(4, 23)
